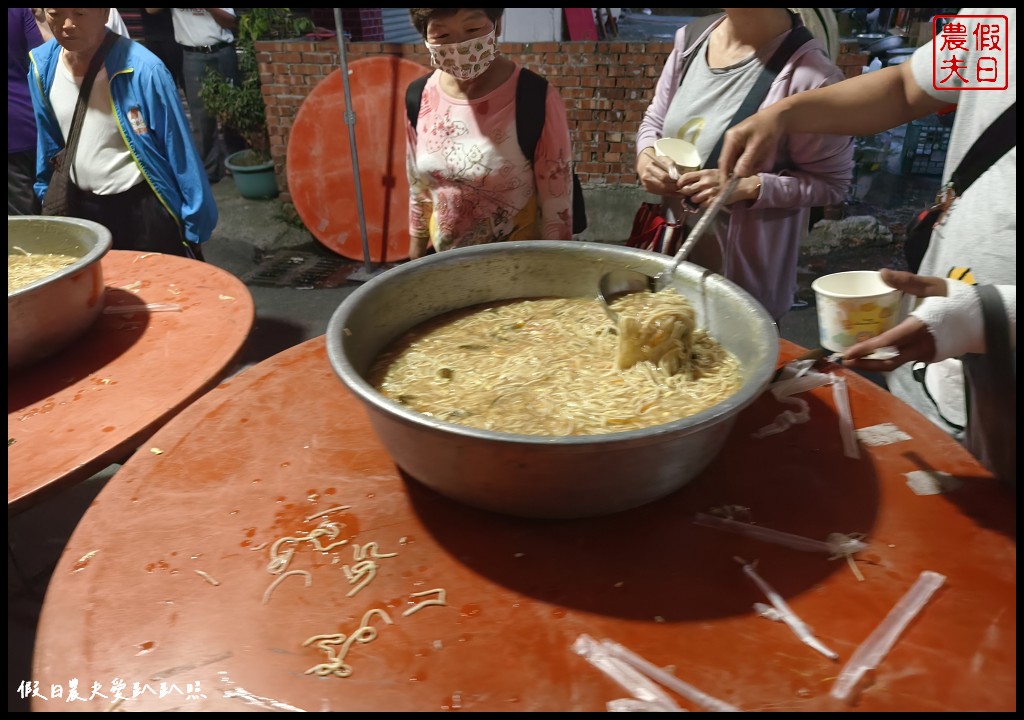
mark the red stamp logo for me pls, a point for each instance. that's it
(970, 52)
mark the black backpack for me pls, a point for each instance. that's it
(531, 99)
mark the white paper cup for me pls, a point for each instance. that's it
(854, 306)
(681, 152)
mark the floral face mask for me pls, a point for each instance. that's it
(465, 60)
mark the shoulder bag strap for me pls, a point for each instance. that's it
(83, 102)
(694, 29)
(991, 145)
(414, 97)
(992, 392)
(796, 39)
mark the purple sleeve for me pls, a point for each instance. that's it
(813, 169)
(33, 37)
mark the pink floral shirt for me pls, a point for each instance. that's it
(469, 182)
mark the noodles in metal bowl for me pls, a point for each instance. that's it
(557, 475)
(65, 298)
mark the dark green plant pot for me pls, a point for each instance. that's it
(254, 181)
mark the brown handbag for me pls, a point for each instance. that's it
(58, 199)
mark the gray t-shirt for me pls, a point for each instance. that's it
(976, 242)
(700, 112)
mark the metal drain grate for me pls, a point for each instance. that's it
(297, 269)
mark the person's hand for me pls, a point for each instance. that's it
(911, 338)
(417, 247)
(656, 174)
(702, 186)
(750, 145)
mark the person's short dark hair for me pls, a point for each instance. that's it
(421, 16)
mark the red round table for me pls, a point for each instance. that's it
(166, 592)
(320, 167)
(75, 413)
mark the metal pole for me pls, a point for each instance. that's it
(350, 120)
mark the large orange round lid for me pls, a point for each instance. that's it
(321, 175)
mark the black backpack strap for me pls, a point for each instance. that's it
(531, 101)
(694, 29)
(796, 39)
(991, 145)
(413, 98)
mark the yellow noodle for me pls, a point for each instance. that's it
(330, 530)
(280, 578)
(359, 552)
(279, 563)
(554, 366)
(336, 664)
(25, 269)
(208, 578)
(325, 512)
(439, 600)
(360, 575)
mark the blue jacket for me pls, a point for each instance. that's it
(164, 152)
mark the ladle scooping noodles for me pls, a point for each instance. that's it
(657, 328)
(554, 366)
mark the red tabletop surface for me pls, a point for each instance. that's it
(321, 172)
(163, 582)
(73, 414)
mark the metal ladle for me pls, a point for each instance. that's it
(621, 282)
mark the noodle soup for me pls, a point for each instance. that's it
(27, 268)
(555, 366)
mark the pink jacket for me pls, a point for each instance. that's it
(807, 171)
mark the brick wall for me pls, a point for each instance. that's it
(606, 87)
(365, 24)
(851, 60)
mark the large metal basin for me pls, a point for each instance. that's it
(46, 316)
(542, 476)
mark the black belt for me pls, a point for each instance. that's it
(206, 49)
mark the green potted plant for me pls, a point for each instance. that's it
(241, 107)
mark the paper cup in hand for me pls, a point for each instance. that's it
(853, 307)
(682, 153)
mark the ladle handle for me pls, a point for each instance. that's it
(705, 221)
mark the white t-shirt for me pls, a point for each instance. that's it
(976, 243)
(116, 23)
(103, 163)
(195, 27)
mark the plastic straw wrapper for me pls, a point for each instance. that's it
(151, 307)
(647, 696)
(873, 650)
(787, 418)
(797, 377)
(634, 705)
(846, 429)
(798, 626)
(836, 546)
(667, 679)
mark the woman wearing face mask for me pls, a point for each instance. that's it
(469, 181)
